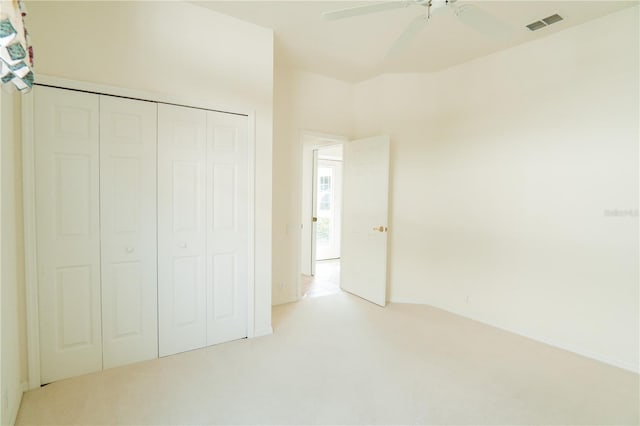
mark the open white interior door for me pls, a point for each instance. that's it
(364, 218)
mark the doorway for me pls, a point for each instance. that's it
(328, 203)
(321, 216)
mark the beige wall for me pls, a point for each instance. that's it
(518, 156)
(303, 101)
(175, 49)
(503, 170)
(14, 361)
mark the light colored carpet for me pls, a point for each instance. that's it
(341, 360)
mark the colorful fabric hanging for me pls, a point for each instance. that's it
(16, 53)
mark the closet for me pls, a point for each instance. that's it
(142, 229)
(203, 227)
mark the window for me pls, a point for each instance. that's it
(325, 183)
(325, 202)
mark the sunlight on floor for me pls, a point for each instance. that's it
(326, 281)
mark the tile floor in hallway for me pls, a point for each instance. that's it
(325, 282)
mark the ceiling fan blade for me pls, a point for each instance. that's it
(483, 21)
(408, 35)
(363, 10)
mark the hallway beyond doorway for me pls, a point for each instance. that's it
(325, 282)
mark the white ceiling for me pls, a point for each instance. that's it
(354, 49)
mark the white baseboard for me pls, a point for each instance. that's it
(277, 302)
(263, 332)
(542, 339)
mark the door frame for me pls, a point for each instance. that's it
(309, 141)
(29, 199)
(311, 189)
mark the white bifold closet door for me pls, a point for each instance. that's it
(227, 227)
(181, 229)
(203, 228)
(95, 162)
(128, 131)
(68, 232)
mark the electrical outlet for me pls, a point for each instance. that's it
(282, 285)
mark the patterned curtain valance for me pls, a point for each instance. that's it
(16, 53)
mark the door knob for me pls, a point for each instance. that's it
(314, 219)
(380, 229)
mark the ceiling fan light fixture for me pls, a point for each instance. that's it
(436, 4)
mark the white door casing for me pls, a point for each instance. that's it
(68, 232)
(364, 220)
(128, 131)
(182, 230)
(227, 216)
(309, 142)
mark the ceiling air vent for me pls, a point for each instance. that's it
(545, 22)
(552, 19)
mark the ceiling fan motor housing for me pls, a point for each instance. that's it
(436, 4)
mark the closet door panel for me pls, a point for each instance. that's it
(227, 227)
(181, 229)
(68, 232)
(128, 133)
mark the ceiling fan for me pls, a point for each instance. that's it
(469, 14)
